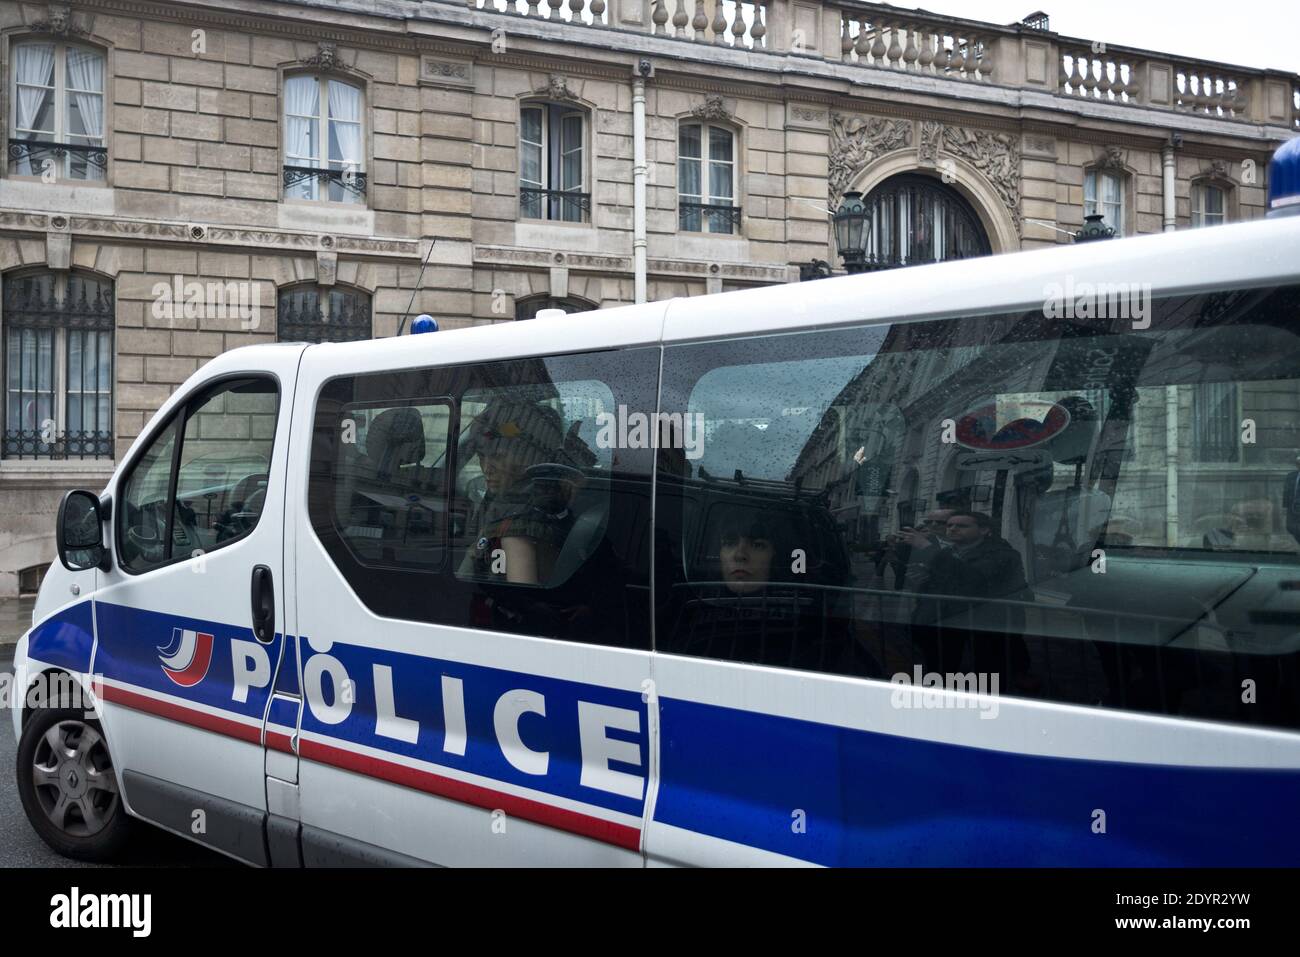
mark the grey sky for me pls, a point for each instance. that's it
(1261, 34)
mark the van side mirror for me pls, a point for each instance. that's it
(80, 532)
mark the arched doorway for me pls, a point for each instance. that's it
(916, 219)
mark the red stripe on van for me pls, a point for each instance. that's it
(199, 719)
(620, 835)
(608, 832)
(279, 742)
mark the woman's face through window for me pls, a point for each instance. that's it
(746, 562)
(500, 472)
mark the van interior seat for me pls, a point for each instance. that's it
(590, 507)
(395, 444)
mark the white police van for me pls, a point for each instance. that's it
(992, 562)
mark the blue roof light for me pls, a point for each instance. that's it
(1284, 180)
(424, 323)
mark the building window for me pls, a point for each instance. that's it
(552, 173)
(317, 314)
(1209, 205)
(29, 579)
(1103, 192)
(706, 179)
(323, 140)
(57, 92)
(58, 362)
(530, 306)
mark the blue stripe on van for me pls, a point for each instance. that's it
(286, 679)
(130, 652)
(876, 799)
(65, 639)
(417, 694)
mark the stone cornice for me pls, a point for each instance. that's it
(119, 229)
(485, 255)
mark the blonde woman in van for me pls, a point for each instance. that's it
(523, 520)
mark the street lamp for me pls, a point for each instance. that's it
(852, 231)
(1094, 229)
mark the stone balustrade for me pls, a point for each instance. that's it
(880, 37)
(917, 44)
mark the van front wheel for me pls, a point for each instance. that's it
(68, 786)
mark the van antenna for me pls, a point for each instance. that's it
(418, 278)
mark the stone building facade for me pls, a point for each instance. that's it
(221, 172)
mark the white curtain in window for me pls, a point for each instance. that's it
(302, 105)
(345, 124)
(86, 78)
(35, 68)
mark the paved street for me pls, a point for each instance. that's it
(19, 845)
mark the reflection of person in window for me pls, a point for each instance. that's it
(962, 586)
(1250, 526)
(1291, 501)
(522, 521)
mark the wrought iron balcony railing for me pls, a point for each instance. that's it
(708, 217)
(354, 181)
(39, 444)
(35, 152)
(565, 205)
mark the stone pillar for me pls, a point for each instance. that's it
(1170, 203)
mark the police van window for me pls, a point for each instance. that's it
(180, 503)
(534, 481)
(390, 495)
(1009, 498)
(531, 509)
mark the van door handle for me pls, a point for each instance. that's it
(263, 605)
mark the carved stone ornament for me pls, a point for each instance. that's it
(995, 155)
(713, 108)
(855, 142)
(1112, 159)
(57, 21)
(928, 152)
(556, 88)
(809, 115)
(1219, 169)
(326, 58)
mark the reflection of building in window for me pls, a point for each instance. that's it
(1215, 424)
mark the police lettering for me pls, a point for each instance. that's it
(325, 678)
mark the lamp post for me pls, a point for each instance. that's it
(1094, 229)
(852, 231)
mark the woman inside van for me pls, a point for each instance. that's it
(524, 518)
(757, 611)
